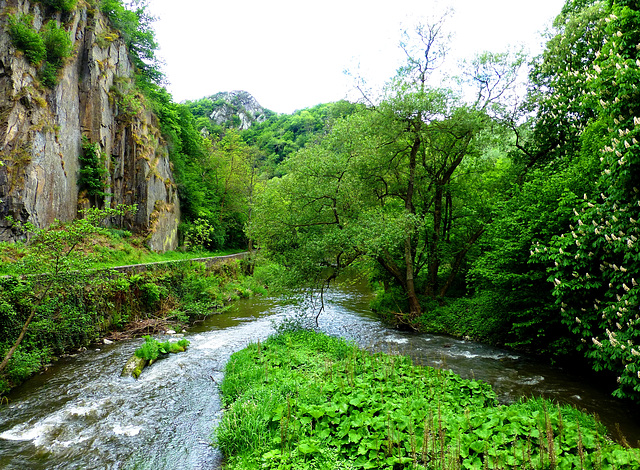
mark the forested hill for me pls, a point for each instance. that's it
(275, 136)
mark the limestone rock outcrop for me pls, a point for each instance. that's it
(237, 109)
(41, 131)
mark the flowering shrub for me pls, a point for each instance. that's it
(596, 265)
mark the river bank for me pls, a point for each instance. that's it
(115, 304)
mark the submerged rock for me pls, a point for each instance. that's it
(134, 366)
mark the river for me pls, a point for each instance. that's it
(80, 414)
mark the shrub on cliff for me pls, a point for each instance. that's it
(26, 38)
(58, 46)
(65, 6)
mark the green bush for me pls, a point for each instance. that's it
(202, 234)
(152, 348)
(26, 38)
(151, 294)
(57, 43)
(24, 364)
(65, 6)
(93, 173)
(59, 47)
(52, 44)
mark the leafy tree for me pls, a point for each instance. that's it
(552, 162)
(237, 176)
(596, 262)
(55, 261)
(393, 183)
(558, 82)
(135, 27)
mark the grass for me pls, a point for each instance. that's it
(304, 400)
(111, 249)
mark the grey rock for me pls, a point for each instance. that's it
(240, 104)
(41, 134)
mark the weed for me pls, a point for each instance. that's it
(152, 348)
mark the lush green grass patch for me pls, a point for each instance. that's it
(152, 348)
(304, 400)
(110, 249)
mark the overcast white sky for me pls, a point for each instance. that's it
(292, 54)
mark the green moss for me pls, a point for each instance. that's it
(152, 348)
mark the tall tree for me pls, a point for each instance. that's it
(390, 183)
(596, 262)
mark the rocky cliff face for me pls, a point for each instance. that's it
(238, 109)
(41, 132)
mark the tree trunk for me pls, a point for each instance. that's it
(414, 305)
(7, 356)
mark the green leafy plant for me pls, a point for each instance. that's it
(201, 234)
(26, 38)
(306, 400)
(59, 47)
(93, 173)
(152, 348)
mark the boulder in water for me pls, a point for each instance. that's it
(133, 367)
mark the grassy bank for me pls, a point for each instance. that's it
(111, 248)
(81, 307)
(303, 400)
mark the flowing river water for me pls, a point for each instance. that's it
(80, 414)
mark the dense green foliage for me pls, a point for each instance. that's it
(135, 27)
(58, 44)
(63, 303)
(305, 400)
(280, 136)
(596, 260)
(152, 348)
(93, 172)
(26, 38)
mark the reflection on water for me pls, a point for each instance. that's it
(81, 414)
